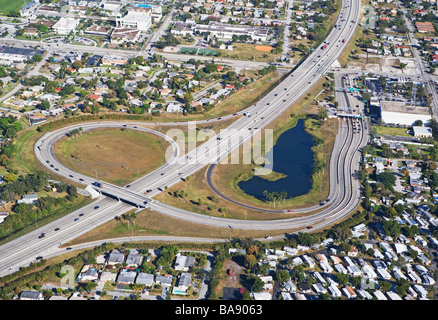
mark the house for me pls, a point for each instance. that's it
(319, 288)
(393, 296)
(334, 291)
(379, 295)
(3, 215)
(175, 107)
(349, 292)
(29, 199)
(31, 295)
(145, 278)
(309, 261)
(108, 276)
(184, 282)
(36, 118)
(164, 92)
(340, 268)
(134, 260)
(88, 274)
(184, 263)
(261, 295)
(383, 273)
(126, 277)
(165, 281)
(115, 257)
(304, 287)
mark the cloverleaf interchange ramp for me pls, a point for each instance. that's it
(344, 188)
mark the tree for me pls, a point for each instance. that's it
(36, 58)
(342, 278)
(402, 66)
(44, 105)
(387, 178)
(282, 276)
(250, 261)
(385, 286)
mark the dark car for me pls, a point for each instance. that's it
(96, 207)
(80, 179)
(77, 219)
(81, 215)
(309, 227)
(56, 229)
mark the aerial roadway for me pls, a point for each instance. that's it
(344, 195)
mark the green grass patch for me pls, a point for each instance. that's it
(390, 131)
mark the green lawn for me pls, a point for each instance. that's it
(7, 6)
(381, 130)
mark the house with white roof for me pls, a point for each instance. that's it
(364, 294)
(340, 268)
(420, 290)
(393, 296)
(319, 288)
(379, 295)
(397, 273)
(334, 291)
(309, 261)
(383, 273)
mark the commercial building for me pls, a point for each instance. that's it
(424, 27)
(399, 113)
(113, 60)
(227, 31)
(65, 25)
(138, 17)
(124, 34)
(422, 132)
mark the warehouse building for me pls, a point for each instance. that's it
(399, 113)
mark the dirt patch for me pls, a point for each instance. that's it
(264, 48)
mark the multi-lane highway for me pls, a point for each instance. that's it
(344, 188)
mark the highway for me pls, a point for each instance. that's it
(344, 188)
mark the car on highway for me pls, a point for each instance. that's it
(290, 210)
(56, 229)
(80, 179)
(268, 237)
(96, 207)
(97, 184)
(234, 114)
(309, 227)
(81, 215)
(77, 219)
(128, 186)
(42, 235)
(70, 175)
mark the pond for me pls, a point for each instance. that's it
(293, 157)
